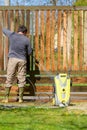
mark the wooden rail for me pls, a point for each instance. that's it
(43, 89)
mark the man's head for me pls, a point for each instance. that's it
(22, 29)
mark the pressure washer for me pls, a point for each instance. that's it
(62, 83)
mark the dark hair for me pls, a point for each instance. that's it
(22, 29)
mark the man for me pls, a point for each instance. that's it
(19, 48)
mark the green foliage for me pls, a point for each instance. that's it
(80, 3)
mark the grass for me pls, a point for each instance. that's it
(34, 118)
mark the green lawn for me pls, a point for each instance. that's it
(34, 118)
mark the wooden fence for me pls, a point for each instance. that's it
(58, 36)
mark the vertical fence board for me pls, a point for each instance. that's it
(21, 17)
(16, 20)
(69, 35)
(42, 42)
(6, 42)
(12, 20)
(28, 22)
(85, 41)
(75, 40)
(32, 38)
(65, 41)
(80, 40)
(53, 66)
(36, 36)
(48, 63)
(59, 40)
(1, 43)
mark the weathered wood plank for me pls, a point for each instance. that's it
(48, 63)
(80, 40)
(6, 16)
(75, 40)
(12, 20)
(69, 37)
(42, 41)
(65, 40)
(22, 17)
(85, 41)
(59, 39)
(28, 22)
(43, 7)
(53, 65)
(16, 20)
(36, 36)
(1, 43)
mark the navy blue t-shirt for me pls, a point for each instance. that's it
(19, 46)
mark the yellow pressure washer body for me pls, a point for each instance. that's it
(62, 90)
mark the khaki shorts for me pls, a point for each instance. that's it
(16, 67)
